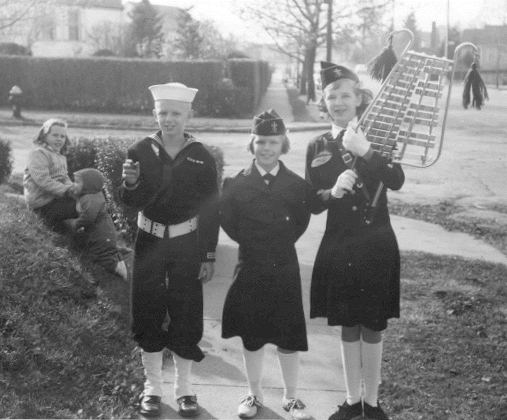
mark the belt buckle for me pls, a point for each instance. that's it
(158, 229)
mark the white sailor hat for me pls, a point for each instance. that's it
(173, 92)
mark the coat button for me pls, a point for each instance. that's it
(354, 208)
(350, 264)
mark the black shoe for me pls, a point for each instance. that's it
(150, 406)
(348, 412)
(188, 406)
(374, 413)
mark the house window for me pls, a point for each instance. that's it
(74, 25)
(48, 29)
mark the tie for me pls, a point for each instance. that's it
(268, 178)
(346, 156)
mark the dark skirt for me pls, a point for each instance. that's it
(264, 305)
(356, 278)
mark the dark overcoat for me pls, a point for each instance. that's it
(264, 303)
(356, 276)
(98, 241)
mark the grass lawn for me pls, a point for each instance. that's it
(446, 358)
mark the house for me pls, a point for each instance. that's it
(491, 42)
(68, 28)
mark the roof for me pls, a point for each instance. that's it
(489, 35)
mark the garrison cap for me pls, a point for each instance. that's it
(330, 73)
(268, 123)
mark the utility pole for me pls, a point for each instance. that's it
(446, 43)
(329, 45)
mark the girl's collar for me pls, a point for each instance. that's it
(336, 129)
(51, 149)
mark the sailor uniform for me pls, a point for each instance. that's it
(178, 230)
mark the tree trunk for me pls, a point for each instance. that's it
(312, 52)
(304, 78)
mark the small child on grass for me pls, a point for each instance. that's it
(94, 229)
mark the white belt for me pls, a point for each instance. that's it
(158, 229)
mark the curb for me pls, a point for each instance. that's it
(200, 129)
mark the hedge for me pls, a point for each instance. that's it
(6, 160)
(109, 84)
(107, 155)
(253, 75)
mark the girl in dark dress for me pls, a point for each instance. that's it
(264, 208)
(356, 276)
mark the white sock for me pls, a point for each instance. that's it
(351, 358)
(152, 363)
(372, 361)
(182, 373)
(289, 365)
(254, 361)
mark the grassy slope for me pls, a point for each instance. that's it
(65, 346)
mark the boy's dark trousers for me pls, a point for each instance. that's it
(181, 297)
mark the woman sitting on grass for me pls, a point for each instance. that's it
(46, 183)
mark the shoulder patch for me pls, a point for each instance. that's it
(321, 159)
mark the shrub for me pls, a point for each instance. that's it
(226, 100)
(107, 154)
(11, 48)
(6, 161)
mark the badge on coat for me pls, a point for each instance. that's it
(321, 159)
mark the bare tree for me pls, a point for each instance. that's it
(298, 28)
(25, 21)
(107, 35)
(13, 12)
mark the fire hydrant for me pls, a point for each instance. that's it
(15, 99)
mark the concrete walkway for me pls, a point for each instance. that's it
(276, 97)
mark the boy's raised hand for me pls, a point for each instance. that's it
(130, 172)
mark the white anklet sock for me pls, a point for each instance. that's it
(254, 361)
(372, 363)
(289, 365)
(182, 374)
(152, 364)
(351, 358)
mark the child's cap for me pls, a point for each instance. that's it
(173, 92)
(93, 180)
(330, 73)
(268, 123)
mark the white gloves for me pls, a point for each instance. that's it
(355, 142)
(344, 183)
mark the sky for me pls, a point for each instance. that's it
(465, 13)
